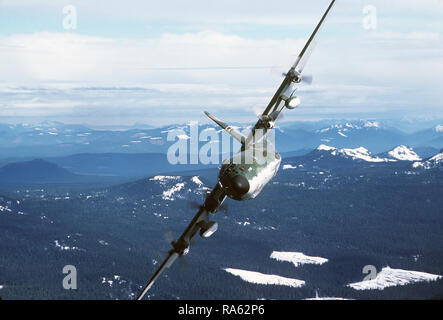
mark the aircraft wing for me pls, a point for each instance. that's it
(298, 65)
(287, 88)
(166, 264)
(181, 246)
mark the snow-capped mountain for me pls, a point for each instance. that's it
(57, 139)
(352, 134)
(399, 153)
(50, 139)
(360, 153)
(429, 137)
(403, 153)
(348, 127)
(333, 204)
(438, 128)
(433, 162)
(327, 159)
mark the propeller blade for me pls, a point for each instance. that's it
(304, 59)
(183, 263)
(193, 205)
(257, 108)
(224, 208)
(307, 79)
(169, 236)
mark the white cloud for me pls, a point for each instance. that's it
(210, 55)
(389, 35)
(48, 56)
(83, 76)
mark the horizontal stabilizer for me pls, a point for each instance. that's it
(237, 135)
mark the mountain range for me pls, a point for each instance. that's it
(105, 167)
(347, 208)
(347, 196)
(54, 139)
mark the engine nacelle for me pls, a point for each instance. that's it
(266, 122)
(209, 229)
(292, 102)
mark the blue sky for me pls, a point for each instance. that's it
(165, 62)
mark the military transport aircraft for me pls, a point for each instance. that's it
(243, 176)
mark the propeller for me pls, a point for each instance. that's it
(258, 110)
(307, 79)
(168, 235)
(193, 205)
(183, 263)
(304, 78)
(224, 208)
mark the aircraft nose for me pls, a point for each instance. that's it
(239, 186)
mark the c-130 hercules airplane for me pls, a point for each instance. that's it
(242, 177)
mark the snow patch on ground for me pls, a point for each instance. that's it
(388, 277)
(103, 242)
(297, 258)
(289, 166)
(317, 297)
(372, 124)
(64, 247)
(168, 194)
(261, 278)
(326, 298)
(197, 181)
(164, 178)
(5, 209)
(116, 279)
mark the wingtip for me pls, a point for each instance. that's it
(210, 116)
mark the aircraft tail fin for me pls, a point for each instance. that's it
(234, 133)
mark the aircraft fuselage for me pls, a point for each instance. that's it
(243, 176)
